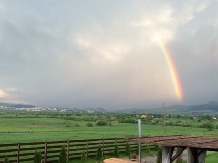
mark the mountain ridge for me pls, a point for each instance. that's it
(208, 108)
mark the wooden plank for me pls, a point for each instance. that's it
(116, 160)
(8, 145)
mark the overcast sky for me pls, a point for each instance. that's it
(98, 53)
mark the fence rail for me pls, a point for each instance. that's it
(24, 152)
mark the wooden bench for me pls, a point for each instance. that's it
(116, 160)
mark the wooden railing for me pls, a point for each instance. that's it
(50, 150)
(211, 135)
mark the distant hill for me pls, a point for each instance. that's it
(4, 104)
(208, 108)
(22, 106)
(95, 109)
(16, 105)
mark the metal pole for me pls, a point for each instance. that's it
(164, 118)
(139, 132)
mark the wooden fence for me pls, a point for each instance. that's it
(24, 152)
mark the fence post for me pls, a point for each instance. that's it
(45, 156)
(87, 148)
(103, 147)
(68, 151)
(18, 152)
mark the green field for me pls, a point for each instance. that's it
(212, 158)
(13, 130)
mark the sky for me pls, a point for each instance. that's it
(110, 54)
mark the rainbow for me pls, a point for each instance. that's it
(172, 68)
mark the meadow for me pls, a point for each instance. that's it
(31, 128)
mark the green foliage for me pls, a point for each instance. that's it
(83, 157)
(156, 147)
(37, 157)
(207, 125)
(179, 159)
(116, 151)
(63, 156)
(159, 155)
(101, 123)
(6, 160)
(127, 121)
(89, 124)
(77, 125)
(127, 151)
(110, 124)
(99, 153)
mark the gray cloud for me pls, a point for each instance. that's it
(105, 54)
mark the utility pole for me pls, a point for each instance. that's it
(164, 118)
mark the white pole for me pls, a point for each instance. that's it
(139, 132)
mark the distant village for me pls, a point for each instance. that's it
(48, 109)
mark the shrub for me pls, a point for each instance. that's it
(127, 152)
(159, 155)
(6, 160)
(156, 147)
(89, 124)
(77, 125)
(83, 157)
(63, 156)
(99, 153)
(101, 123)
(207, 125)
(37, 157)
(110, 124)
(116, 151)
(133, 156)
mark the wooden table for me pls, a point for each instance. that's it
(116, 160)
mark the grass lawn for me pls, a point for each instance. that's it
(212, 158)
(13, 130)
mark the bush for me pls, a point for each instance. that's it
(156, 147)
(133, 156)
(6, 160)
(116, 151)
(127, 152)
(83, 157)
(63, 156)
(99, 153)
(77, 125)
(37, 157)
(207, 125)
(159, 155)
(110, 124)
(101, 123)
(89, 124)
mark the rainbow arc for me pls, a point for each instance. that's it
(171, 65)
